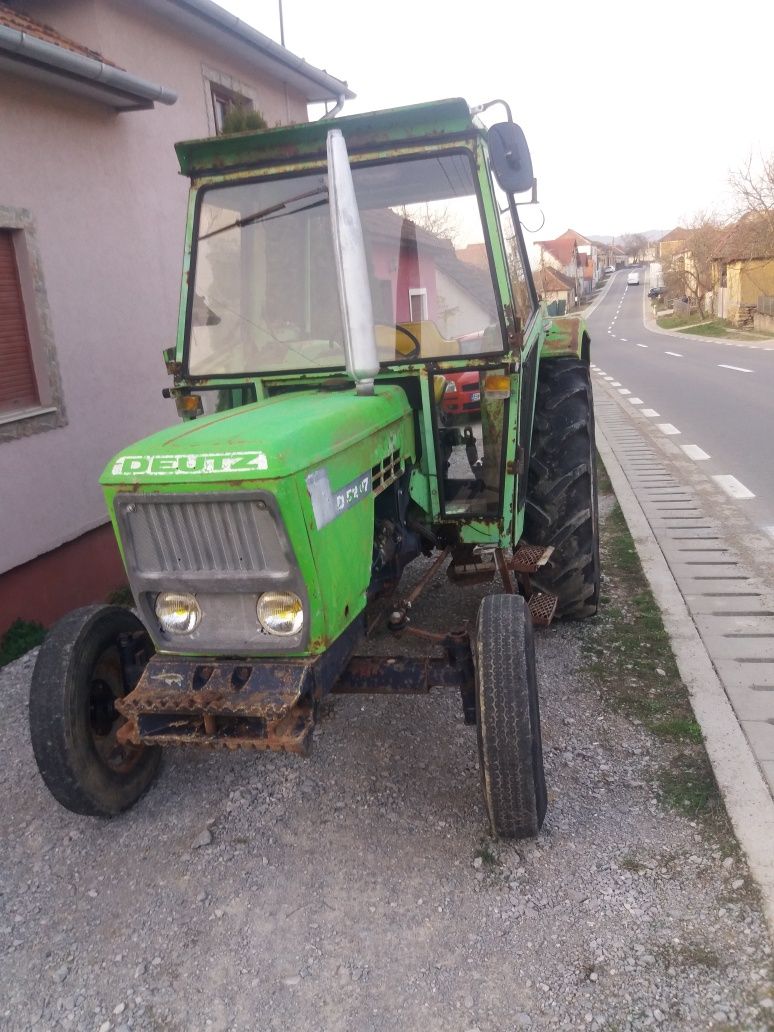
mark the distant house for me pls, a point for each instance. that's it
(417, 276)
(93, 94)
(556, 289)
(562, 255)
(743, 269)
(671, 243)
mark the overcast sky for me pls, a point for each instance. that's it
(635, 112)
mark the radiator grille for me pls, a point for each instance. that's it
(202, 535)
(386, 472)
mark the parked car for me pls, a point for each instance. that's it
(657, 292)
(463, 393)
(633, 279)
(609, 269)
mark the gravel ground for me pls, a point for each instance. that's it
(359, 889)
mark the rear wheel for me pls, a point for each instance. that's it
(78, 676)
(508, 718)
(561, 507)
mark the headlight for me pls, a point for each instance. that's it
(280, 612)
(177, 613)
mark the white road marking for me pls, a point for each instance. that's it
(668, 429)
(650, 413)
(732, 486)
(674, 354)
(624, 340)
(615, 383)
(608, 378)
(636, 401)
(693, 451)
(624, 390)
(642, 345)
(736, 368)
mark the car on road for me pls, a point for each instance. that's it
(633, 279)
(609, 269)
(462, 394)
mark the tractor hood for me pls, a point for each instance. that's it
(273, 438)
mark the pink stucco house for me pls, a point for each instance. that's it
(93, 94)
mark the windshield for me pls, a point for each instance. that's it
(265, 297)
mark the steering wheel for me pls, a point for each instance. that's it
(417, 349)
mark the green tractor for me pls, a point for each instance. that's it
(365, 377)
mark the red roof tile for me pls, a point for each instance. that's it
(548, 280)
(23, 23)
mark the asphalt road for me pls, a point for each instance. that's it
(713, 399)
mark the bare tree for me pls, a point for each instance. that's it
(433, 217)
(634, 245)
(689, 272)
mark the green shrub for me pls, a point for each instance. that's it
(20, 637)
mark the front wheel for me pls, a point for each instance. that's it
(79, 674)
(508, 717)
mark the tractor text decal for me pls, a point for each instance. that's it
(187, 465)
(327, 504)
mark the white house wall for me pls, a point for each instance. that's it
(108, 204)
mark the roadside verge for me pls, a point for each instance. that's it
(748, 801)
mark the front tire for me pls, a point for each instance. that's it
(561, 507)
(78, 676)
(508, 718)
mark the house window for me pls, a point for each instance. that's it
(18, 387)
(224, 101)
(418, 304)
(30, 391)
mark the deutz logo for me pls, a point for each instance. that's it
(188, 465)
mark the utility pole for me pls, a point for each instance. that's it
(282, 25)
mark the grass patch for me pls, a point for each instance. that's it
(716, 328)
(688, 785)
(485, 854)
(678, 322)
(630, 657)
(20, 637)
(121, 597)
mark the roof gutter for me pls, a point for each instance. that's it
(227, 22)
(78, 66)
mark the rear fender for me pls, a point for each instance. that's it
(567, 338)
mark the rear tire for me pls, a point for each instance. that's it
(561, 508)
(73, 720)
(508, 718)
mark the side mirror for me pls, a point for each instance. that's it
(510, 157)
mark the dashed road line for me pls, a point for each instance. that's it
(650, 413)
(636, 401)
(615, 383)
(668, 429)
(736, 368)
(674, 354)
(732, 486)
(624, 390)
(693, 451)
(641, 345)
(624, 339)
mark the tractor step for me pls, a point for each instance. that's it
(229, 705)
(476, 568)
(529, 558)
(542, 606)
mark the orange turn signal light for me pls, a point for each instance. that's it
(497, 386)
(189, 405)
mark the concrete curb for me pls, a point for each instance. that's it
(745, 793)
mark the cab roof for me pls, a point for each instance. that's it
(433, 121)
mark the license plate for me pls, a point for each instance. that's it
(476, 396)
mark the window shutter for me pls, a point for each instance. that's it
(18, 389)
